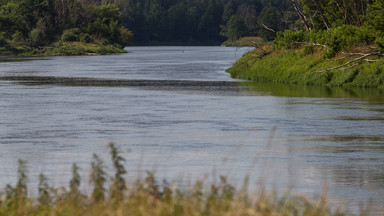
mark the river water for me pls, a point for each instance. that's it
(175, 111)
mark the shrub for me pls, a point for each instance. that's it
(85, 38)
(336, 39)
(17, 36)
(289, 39)
(70, 35)
(308, 50)
(126, 36)
(38, 35)
(380, 44)
(3, 41)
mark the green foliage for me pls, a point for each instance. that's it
(118, 185)
(85, 38)
(39, 23)
(70, 35)
(3, 40)
(335, 39)
(74, 183)
(98, 178)
(21, 186)
(44, 197)
(246, 42)
(126, 36)
(374, 19)
(269, 17)
(38, 35)
(236, 28)
(292, 67)
(289, 39)
(380, 44)
(307, 50)
(199, 22)
(17, 36)
(343, 38)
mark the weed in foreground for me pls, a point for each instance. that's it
(149, 197)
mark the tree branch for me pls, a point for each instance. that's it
(301, 15)
(347, 63)
(267, 28)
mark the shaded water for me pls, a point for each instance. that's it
(176, 111)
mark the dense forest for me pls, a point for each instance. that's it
(187, 22)
(40, 22)
(213, 21)
(204, 21)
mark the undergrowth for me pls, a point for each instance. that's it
(146, 196)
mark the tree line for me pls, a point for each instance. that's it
(40, 22)
(204, 21)
(212, 21)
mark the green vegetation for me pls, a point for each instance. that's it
(296, 66)
(146, 196)
(245, 42)
(196, 22)
(70, 27)
(341, 46)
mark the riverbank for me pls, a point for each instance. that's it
(61, 48)
(307, 65)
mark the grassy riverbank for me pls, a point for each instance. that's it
(146, 196)
(307, 65)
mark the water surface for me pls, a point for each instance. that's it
(176, 111)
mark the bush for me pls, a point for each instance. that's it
(85, 38)
(3, 41)
(18, 36)
(380, 44)
(336, 39)
(38, 35)
(289, 39)
(126, 36)
(308, 50)
(70, 35)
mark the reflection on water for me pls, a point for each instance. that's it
(180, 114)
(316, 91)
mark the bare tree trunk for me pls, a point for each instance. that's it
(321, 11)
(301, 15)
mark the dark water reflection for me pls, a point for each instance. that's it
(178, 112)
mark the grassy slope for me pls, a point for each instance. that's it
(292, 66)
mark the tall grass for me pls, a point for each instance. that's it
(111, 195)
(303, 66)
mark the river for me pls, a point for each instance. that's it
(175, 111)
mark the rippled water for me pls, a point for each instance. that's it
(176, 111)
